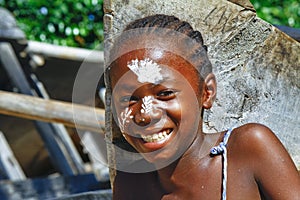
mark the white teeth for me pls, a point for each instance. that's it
(157, 137)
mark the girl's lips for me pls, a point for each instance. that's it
(157, 137)
(156, 140)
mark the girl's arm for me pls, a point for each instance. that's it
(273, 168)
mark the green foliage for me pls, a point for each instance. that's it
(79, 23)
(279, 12)
(61, 22)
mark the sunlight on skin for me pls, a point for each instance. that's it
(146, 70)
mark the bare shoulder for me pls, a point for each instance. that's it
(257, 149)
(256, 143)
(256, 137)
(254, 130)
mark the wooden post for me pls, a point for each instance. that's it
(8, 162)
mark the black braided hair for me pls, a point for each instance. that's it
(197, 50)
(168, 22)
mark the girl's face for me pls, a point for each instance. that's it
(157, 101)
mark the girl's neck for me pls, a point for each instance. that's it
(171, 177)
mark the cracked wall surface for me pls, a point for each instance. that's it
(257, 66)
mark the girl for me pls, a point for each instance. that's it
(162, 80)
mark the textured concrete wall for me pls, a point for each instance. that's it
(257, 66)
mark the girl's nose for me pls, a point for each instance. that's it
(143, 118)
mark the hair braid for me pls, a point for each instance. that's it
(168, 22)
(198, 51)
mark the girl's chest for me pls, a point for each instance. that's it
(202, 182)
(206, 183)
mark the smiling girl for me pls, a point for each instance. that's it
(162, 80)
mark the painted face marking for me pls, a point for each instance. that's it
(147, 105)
(146, 70)
(123, 118)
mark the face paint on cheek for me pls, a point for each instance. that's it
(146, 70)
(124, 118)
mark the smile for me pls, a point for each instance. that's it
(157, 137)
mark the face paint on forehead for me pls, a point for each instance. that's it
(146, 70)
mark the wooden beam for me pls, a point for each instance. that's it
(69, 114)
(64, 52)
(8, 163)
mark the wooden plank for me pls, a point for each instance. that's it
(64, 52)
(61, 150)
(8, 162)
(69, 114)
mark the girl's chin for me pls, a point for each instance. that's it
(157, 159)
(163, 157)
(167, 155)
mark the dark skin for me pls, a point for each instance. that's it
(259, 167)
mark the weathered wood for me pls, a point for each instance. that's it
(257, 66)
(56, 139)
(292, 32)
(73, 115)
(64, 52)
(8, 26)
(8, 163)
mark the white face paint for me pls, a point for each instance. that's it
(146, 70)
(147, 105)
(124, 118)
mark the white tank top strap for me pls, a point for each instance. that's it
(218, 150)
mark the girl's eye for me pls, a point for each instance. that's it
(166, 95)
(128, 99)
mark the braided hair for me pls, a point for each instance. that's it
(153, 24)
(167, 22)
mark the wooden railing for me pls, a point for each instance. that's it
(35, 108)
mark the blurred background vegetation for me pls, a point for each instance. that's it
(79, 23)
(63, 22)
(279, 12)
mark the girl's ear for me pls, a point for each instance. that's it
(210, 91)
